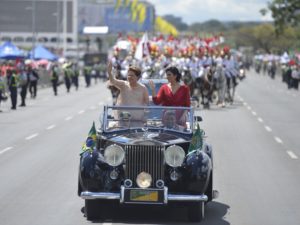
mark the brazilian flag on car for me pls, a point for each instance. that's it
(91, 139)
(197, 140)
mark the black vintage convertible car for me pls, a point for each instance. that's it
(147, 155)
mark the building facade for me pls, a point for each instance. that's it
(58, 24)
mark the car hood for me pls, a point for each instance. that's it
(149, 138)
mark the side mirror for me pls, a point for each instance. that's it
(198, 118)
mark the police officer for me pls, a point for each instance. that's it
(33, 80)
(75, 76)
(87, 75)
(12, 81)
(2, 89)
(24, 81)
(54, 78)
(67, 76)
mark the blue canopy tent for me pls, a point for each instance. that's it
(9, 51)
(41, 52)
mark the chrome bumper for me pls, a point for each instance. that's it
(119, 196)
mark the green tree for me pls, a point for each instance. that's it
(263, 37)
(176, 21)
(210, 26)
(284, 13)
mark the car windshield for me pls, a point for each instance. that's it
(179, 119)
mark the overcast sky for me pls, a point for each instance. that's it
(192, 11)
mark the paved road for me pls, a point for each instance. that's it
(256, 152)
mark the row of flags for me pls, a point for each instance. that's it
(164, 27)
(137, 9)
(138, 13)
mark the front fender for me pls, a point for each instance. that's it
(197, 166)
(94, 173)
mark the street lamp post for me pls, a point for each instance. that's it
(65, 18)
(57, 15)
(33, 27)
(32, 8)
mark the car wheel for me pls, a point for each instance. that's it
(196, 211)
(209, 189)
(100, 209)
(91, 209)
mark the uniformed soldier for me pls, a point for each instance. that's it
(87, 75)
(2, 89)
(75, 76)
(54, 78)
(12, 81)
(33, 80)
(24, 81)
(67, 76)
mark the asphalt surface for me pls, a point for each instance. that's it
(256, 158)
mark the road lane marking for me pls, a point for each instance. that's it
(69, 118)
(51, 127)
(278, 140)
(245, 104)
(81, 111)
(5, 150)
(254, 113)
(292, 154)
(268, 128)
(260, 120)
(249, 107)
(32, 136)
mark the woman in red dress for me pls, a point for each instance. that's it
(173, 93)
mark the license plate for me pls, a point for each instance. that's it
(143, 196)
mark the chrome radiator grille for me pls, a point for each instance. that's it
(145, 158)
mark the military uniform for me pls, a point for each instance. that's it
(2, 89)
(12, 80)
(24, 81)
(68, 77)
(54, 79)
(75, 76)
(87, 75)
(33, 80)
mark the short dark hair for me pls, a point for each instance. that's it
(175, 71)
(137, 71)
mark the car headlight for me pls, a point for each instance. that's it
(144, 180)
(174, 156)
(114, 155)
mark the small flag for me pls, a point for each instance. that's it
(90, 142)
(197, 140)
(93, 133)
